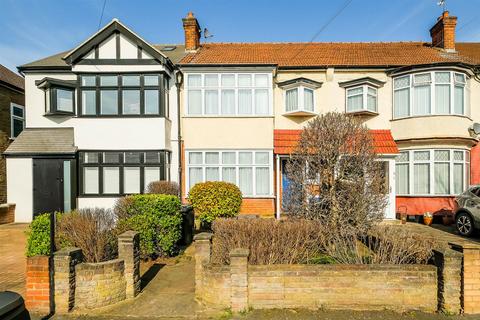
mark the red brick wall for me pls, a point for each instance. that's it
(261, 206)
(420, 205)
(38, 285)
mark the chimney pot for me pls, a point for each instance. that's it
(192, 33)
(443, 32)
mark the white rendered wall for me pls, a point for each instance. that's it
(20, 187)
(104, 203)
(97, 133)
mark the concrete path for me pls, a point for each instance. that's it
(12, 257)
(169, 294)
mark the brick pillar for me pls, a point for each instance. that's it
(449, 266)
(203, 244)
(129, 251)
(239, 279)
(37, 298)
(471, 279)
(64, 262)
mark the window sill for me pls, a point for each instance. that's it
(300, 113)
(123, 116)
(363, 113)
(59, 114)
(228, 116)
(426, 195)
(432, 115)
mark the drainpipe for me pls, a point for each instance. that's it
(178, 84)
(277, 213)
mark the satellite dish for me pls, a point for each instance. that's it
(475, 128)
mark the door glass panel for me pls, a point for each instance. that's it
(67, 186)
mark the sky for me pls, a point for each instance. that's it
(34, 29)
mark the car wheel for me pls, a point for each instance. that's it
(464, 223)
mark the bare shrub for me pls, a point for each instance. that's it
(382, 245)
(163, 187)
(123, 208)
(91, 230)
(269, 241)
(335, 176)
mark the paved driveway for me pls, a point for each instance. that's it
(12, 257)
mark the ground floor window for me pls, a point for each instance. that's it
(432, 172)
(250, 170)
(104, 173)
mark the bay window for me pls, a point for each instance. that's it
(362, 98)
(115, 173)
(59, 96)
(426, 172)
(123, 95)
(299, 99)
(430, 93)
(228, 94)
(250, 170)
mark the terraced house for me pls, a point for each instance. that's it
(117, 112)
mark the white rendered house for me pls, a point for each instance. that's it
(102, 123)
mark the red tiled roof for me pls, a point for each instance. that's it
(331, 54)
(284, 141)
(11, 78)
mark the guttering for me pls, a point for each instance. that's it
(404, 69)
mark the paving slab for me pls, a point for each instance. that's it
(12, 257)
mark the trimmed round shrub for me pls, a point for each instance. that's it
(163, 187)
(214, 199)
(38, 236)
(156, 217)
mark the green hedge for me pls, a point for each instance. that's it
(215, 199)
(38, 236)
(156, 218)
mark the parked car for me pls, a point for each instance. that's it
(12, 306)
(467, 212)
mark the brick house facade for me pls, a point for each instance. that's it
(12, 93)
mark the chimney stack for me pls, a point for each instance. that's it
(192, 32)
(443, 32)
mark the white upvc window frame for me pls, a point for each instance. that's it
(364, 95)
(300, 99)
(14, 117)
(237, 165)
(432, 83)
(235, 87)
(411, 162)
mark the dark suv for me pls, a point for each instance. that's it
(467, 213)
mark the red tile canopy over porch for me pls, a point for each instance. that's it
(284, 141)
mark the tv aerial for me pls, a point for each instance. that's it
(443, 4)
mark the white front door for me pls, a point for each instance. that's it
(389, 167)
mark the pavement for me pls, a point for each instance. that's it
(12, 257)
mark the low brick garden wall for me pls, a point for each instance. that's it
(79, 285)
(7, 213)
(100, 284)
(240, 286)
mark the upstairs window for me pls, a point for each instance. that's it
(430, 93)
(299, 99)
(299, 96)
(17, 120)
(228, 94)
(362, 98)
(59, 96)
(123, 95)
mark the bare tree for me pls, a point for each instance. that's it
(335, 176)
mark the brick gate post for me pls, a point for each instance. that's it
(239, 279)
(203, 243)
(129, 252)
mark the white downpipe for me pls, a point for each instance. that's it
(277, 207)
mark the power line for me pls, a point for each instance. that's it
(467, 23)
(101, 16)
(345, 5)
